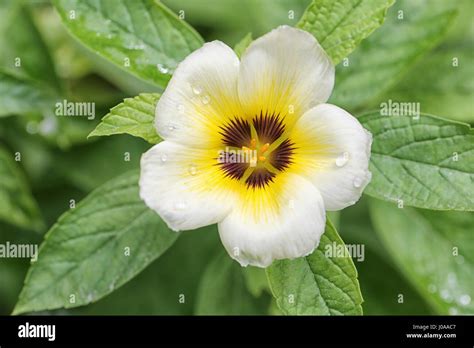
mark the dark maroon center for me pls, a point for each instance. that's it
(237, 133)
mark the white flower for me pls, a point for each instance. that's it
(253, 147)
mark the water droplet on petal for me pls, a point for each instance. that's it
(453, 311)
(205, 99)
(163, 157)
(464, 300)
(342, 159)
(358, 182)
(180, 206)
(197, 90)
(181, 108)
(192, 169)
(171, 127)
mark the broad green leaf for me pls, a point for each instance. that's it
(380, 297)
(434, 250)
(323, 283)
(340, 25)
(222, 290)
(443, 89)
(411, 30)
(142, 37)
(230, 20)
(162, 290)
(101, 161)
(94, 248)
(256, 280)
(23, 48)
(425, 162)
(242, 45)
(17, 205)
(13, 269)
(19, 95)
(134, 116)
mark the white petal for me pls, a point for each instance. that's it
(184, 186)
(200, 96)
(292, 231)
(285, 72)
(333, 151)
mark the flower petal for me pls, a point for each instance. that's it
(284, 72)
(333, 151)
(184, 186)
(291, 230)
(200, 96)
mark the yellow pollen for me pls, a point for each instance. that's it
(262, 158)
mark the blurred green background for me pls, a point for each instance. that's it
(59, 163)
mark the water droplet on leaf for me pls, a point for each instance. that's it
(162, 69)
(464, 300)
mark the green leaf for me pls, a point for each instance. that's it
(94, 248)
(242, 45)
(425, 162)
(222, 290)
(19, 96)
(101, 161)
(135, 116)
(142, 37)
(162, 290)
(317, 284)
(24, 50)
(380, 297)
(381, 60)
(17, 205)
(340, 25)
(444, 89)
(434, 250)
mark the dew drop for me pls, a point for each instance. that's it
(357, 182)
(342, 159)
(32, 127)
(180, 206)
(205, 99)
(171, 127)
(181, 108)
(464, 300)
(453, 311)
(197, 90)
(90, 297)
(162, 69)
(459, 259)
(452, 279)
(192, 169)
(445, 295)
(164, 158)
(48, 126)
